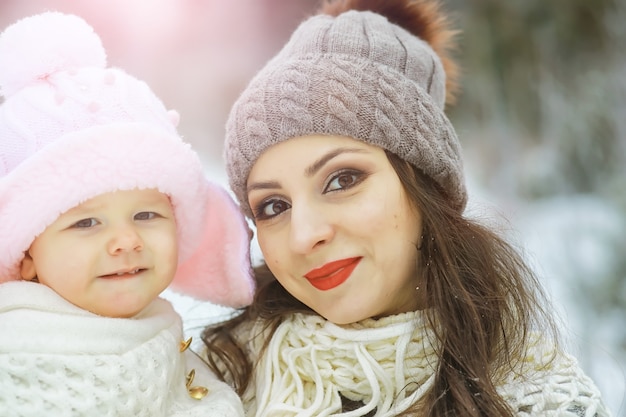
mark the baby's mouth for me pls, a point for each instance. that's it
(124, 274)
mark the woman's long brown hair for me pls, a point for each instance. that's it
(484, 304)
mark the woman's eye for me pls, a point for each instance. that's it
(343, 180)
(145, 215)
(85, 223)
(271, 208)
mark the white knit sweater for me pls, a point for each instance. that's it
(59, 360)
(388, 366)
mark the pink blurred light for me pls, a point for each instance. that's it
(197, 55)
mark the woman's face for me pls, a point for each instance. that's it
(336, 227)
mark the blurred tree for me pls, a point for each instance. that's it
(542, 116)
(547, 75)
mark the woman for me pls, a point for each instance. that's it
(377, 296)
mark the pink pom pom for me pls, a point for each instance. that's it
(174, 117)
(40, 45)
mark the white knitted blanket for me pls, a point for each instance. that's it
(388, 365)
(59, 360)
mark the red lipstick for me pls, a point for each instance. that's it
(332, 274)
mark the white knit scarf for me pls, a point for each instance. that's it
(387, 364)
(59, 360)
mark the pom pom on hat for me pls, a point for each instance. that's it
(72, 129)
(40, 45)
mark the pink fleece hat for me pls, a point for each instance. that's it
(72, 129)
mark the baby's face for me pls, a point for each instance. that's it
(111, 255)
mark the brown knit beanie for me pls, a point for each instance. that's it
(356, 75)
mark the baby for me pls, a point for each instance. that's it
(102, 207)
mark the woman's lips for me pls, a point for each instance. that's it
(332, 274)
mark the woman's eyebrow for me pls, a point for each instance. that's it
(317, 165)
(264, 185)
(309, 171)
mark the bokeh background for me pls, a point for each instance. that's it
(541, 116)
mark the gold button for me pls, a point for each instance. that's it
(198, 393)
(184, 345)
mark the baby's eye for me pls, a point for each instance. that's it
(344, 180)
(85, 223)
(270, 208)
(146, 215)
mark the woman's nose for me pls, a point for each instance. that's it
(125, 239)
(311, 226)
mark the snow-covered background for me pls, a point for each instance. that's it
(542, 119)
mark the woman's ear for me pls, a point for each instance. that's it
(27, 268)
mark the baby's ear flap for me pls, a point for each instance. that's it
(28, 271)
(219, 269)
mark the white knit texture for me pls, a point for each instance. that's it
(310, 361)
(389, 366)
(59, 360)
(560, 388)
